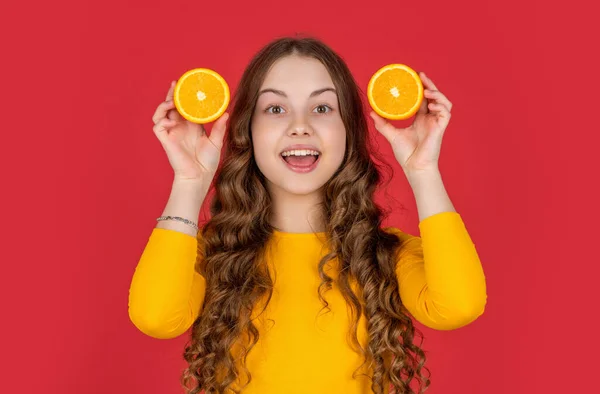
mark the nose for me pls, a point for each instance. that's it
(300, 127)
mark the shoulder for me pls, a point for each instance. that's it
(408, 243)
(400, 234)
(442, 222)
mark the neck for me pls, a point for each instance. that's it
(294, 213)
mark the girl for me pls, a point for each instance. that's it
(292, 286)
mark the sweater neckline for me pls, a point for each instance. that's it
(284, 234)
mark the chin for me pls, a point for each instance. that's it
(294, 187)
(301, 188)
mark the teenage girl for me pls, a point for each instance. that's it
(293, 286)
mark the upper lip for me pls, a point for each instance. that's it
(300, 147)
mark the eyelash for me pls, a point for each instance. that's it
(267, 110)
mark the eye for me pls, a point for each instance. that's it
(274, 109)
(323, 109)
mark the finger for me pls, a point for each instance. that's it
(172, 113)
(162, 127)
(217, 133)
(423, 107)
(438, 97)
(439, 110)
(428, 83)
(163, 110)
(170, 92)
(383, 126)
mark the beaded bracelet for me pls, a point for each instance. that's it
(186, 221)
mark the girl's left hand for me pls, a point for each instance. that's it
(417, 147)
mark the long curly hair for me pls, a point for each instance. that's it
(232, 244)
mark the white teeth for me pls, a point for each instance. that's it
(300, 152)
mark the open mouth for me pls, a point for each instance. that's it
(301, 157)
(301, 160)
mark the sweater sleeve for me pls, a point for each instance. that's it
(166, 292)
(441, 279)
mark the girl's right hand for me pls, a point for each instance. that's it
(192, 153)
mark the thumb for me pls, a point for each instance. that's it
(217, 133)
(423, 108)
(382, 125)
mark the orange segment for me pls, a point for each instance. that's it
(201, 95)
(395, 92)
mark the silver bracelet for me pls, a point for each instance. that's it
(186, 221)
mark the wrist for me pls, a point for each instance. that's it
(188, 191)
(430, 193)
(191, 184)
(416, 177)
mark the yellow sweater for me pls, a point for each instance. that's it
(441, 281)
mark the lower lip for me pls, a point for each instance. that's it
(303, 169)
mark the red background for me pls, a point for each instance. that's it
(83, 177)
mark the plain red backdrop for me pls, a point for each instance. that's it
(84, 177)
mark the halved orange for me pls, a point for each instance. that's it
(201, 95)
(395, 92)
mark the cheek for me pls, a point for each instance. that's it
(340, 149)
(257, 134)
(336, 142)
(263, 146)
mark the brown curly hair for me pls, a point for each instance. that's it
(231, 244)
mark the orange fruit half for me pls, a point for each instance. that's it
(201, 95)
(395, 92)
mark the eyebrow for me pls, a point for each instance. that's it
(282, 93)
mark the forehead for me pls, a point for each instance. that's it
(297, 73)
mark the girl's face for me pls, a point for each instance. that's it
(297, 115)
